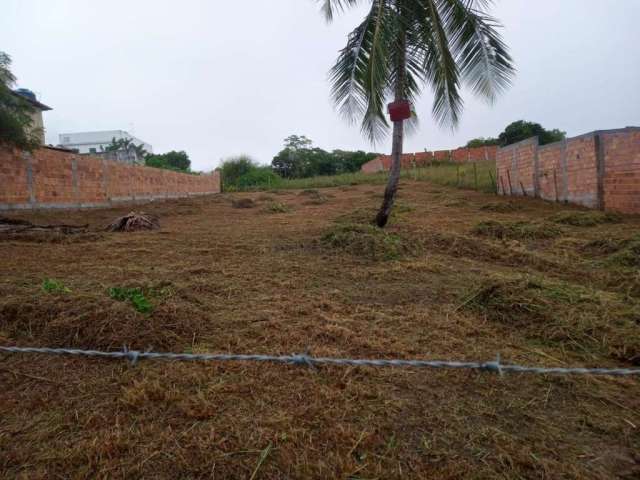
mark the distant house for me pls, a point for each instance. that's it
(36, 115)
(96, 142)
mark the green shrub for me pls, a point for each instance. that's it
(262, 177)
(134, 295)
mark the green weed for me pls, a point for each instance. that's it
(134, 295)
(50, 285)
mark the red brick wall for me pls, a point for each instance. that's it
(582, 174)
(622, 171)
(421, 159)
(54, 178)
(598, 170)
(14, 187)
(550, 171)
(515, 168)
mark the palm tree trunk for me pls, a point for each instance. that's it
(398, 139)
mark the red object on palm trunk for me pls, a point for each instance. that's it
(399, 110)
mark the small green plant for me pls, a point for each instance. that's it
(134, 295)
(50, 285)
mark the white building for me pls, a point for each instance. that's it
(96, 142)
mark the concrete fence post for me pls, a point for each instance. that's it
(28, 160)
(74, 180)
(600, 169)
(565, 171)
(536, 169)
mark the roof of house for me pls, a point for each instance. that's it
(32, 100)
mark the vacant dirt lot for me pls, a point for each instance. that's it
(459, 275)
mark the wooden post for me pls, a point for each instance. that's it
(493, 182)
(509, 179)
(457, 175)
(475, 174)
(504, 191)
(524, 192)
(555, 183)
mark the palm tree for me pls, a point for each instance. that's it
(402, 45)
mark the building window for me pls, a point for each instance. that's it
(92, 150)
(66, 139)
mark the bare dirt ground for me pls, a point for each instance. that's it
(540, 283)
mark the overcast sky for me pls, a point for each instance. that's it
(221, 78)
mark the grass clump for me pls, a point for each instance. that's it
(367, 241)
(501, 207)
(134, 295)
(585, 219)
(584, 320)
(628, 254)
(243, 203)
(516, 230)
(314, 197)
(277, 207)
(50, 285)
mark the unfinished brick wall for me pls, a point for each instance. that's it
(51, 178)
(621, 182)
(600, 169)
(422, 159)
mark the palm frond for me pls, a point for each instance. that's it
(439, 67)
(361, 74)
(483, 57)
(330, 7)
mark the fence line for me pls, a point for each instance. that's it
(304, 359)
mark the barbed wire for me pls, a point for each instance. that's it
(307, 360)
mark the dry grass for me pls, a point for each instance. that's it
(522, 230)
(223, 279)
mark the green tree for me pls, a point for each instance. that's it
(482, 142)
(400, 46)
(172, 160)
(521, 130)
(16, 124)
(297, 142)
(291, 161)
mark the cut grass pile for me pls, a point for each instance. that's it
(623, 253)
(522, 230)
(243, 203)
(585, 219)
(277, 207)
(580, 319)
(314, 197)
(502, 207)
(367, 241)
